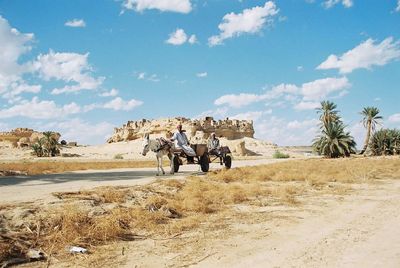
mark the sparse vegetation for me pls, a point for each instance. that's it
(118, 156)
(385, 142)
(278, 155)
(47, 145)
(334, 141)
(168, 208)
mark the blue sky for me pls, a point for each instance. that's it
(84, 67)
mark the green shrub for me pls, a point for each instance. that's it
(279, 155)
(385, 142)
(118, 156)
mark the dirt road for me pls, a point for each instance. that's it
(29, 188)
(358, 230)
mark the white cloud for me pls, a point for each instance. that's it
(307, 105)
(202, 75)
(117, 104)
(112, 93)
(37, 109)
(251, 115)
(192, 39)
(179, 37)
(240, 100)
(76, 23)
(304, 97)
(321, 88)
(13, 45)
(249, 21)
(365, 55)
(180, 6)
(331, 3)
(82, 131)
(302, 124)
(144, 76)
(300, 68)
(68, 67)
(394, 118)
(18, 88)
(278, 130)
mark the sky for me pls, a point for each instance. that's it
(84, 67)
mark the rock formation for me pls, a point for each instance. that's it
(23, 137)
(196, 129)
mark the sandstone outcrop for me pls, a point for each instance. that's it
(23, 137)
(196, 129)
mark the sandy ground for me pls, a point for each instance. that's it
(362, 230)
(29, 188)
(356, 230)
(359, 229)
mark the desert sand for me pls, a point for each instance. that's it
(356, 228)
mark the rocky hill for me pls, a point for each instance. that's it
(196, 129)
(22, 137)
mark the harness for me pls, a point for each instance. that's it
(162, 145)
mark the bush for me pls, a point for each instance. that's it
(118, 156)
(385, 142)
(279, 155)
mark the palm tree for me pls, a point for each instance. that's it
(370, 120)
(50, 144)
(334, 141)
(328, 113)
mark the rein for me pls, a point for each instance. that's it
(162, 144)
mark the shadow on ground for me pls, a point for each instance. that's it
(95, 176)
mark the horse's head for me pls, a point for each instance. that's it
(146, 144)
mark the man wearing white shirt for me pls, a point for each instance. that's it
(182, 142)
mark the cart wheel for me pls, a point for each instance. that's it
(176, 163)
(205, 162)
(228, 161)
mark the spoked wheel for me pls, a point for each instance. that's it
(228, 161)
(205, 162)
(176, 163)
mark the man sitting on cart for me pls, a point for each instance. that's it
(213, 145)
(182, 142)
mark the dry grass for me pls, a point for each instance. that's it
(169, 208)
(50, 167)
(316, 172)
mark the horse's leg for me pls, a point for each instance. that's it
(161, 158)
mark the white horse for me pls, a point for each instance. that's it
(160, 149)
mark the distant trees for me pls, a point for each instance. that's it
(334, 141)
(47, 145)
